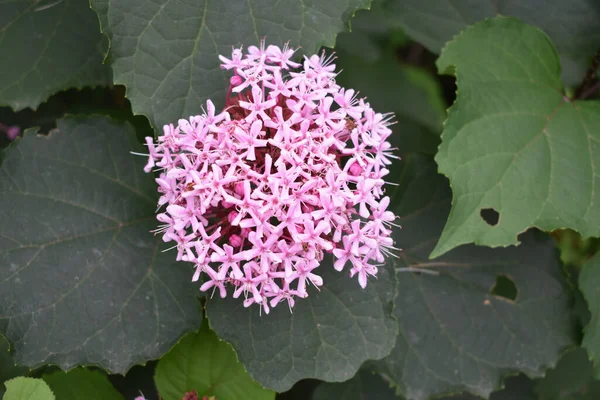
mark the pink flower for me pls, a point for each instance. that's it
(290, 172)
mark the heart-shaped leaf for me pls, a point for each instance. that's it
(82, 281)
(166, 52)
(514, 143)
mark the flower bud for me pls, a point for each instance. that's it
(235, 240)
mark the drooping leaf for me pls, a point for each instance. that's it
(459, 330)
(204, 363)
(328, 335)
(411, 94)
(82, 281)
(27, 389)
(81, 383)
(513, 142)
(364, 386)
(8, 369)
(572, 25)
(48, 46)
(166, 52)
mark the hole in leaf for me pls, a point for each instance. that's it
(505, 287)
(490, 216)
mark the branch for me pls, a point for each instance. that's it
(589, 84)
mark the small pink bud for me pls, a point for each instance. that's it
(235, 240)
(245, 232)
(226, 204)
(235, 80)
(231, 216)
(239, 188)
(355, 169)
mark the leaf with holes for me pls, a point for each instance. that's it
(572, 25)
(201, 362)
(328, 336)
(52, 46)
(166, 52)
(513, 142)
(82, 281)
(461, 327)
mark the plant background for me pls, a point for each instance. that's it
(508, 323)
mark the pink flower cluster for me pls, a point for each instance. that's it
(290, 170)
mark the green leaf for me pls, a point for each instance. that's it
(204, 363)
(48, 46)
(81, 383)
(412, 94)
(8, 369)
(573, 373)
(328, 335)
(572, 25)
(82, 281)
(166, 52)
(364, 386)
(458, 330)
(513, 142)
(27, 389)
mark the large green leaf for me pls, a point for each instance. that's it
(203, 363)
(82, 281)
(572, 25)
(328, 335)
(81, 383)
(27, 389)
(166, 51)
(48, 46)
(461, 329)
(513, 141)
